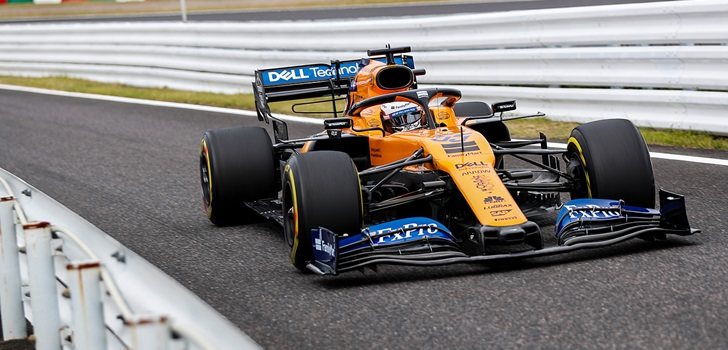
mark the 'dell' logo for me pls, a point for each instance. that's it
(287, 75)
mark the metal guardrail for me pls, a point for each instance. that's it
(83, 290)
(657, 64)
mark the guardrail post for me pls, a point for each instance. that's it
(84, 282)
(43, 290)
(11, 297)
(149, 332)
(183, 9)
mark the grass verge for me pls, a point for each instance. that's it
(525, 128)
(19, 11)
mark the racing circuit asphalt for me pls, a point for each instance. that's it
(132, 171)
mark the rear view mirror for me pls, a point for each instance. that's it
(504, 106)
(333, 126)
(472, 109)
(337, 123)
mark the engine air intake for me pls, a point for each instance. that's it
(394, 78)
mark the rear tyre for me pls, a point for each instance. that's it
(610, 160)
(320, 189)
(236, 165)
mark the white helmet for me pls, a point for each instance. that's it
(401, 116)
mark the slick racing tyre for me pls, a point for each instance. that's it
(236, 165)
(320, 189)
(609, 159)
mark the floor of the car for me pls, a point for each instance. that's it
(270, 209)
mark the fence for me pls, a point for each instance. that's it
(83, 290)
(659, 64)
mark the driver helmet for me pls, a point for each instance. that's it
(401, 116)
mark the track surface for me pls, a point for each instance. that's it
(354, 12)
(132, 171)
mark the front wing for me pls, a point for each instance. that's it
(419, 241)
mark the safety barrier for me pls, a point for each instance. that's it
(83, 290)
(658, 64)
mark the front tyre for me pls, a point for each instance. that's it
(320, 189)
(610, 160)
(236, 165)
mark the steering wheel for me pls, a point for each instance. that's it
(421, 97)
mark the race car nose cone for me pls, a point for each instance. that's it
(519, 237)
(512, 234)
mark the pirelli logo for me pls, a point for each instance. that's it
(458, 147)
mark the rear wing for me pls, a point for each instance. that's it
(307, 81)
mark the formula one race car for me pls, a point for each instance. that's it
(413, 176)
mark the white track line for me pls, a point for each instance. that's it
(139, 101)
(670, 156)
(296, 119)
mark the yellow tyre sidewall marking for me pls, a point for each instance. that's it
(203, 146)
(573, 141)
(294, 249)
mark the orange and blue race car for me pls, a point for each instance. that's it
(411, 176)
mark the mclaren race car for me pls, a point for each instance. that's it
(412, 176)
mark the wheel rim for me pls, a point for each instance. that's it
(289, 216)
(576, 170)
(205, 180)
